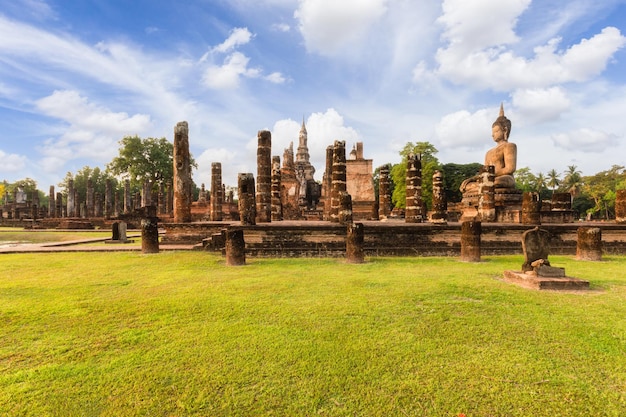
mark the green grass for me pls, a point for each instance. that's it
(14, 235)
(181, 334)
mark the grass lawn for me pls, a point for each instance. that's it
(15, 235)
(181, 334)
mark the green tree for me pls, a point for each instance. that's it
(601, 189)
(430, 163)
(454, 175)
(540, 183)
(97, 177)
(143, 160)
(525, 180)
(572, 181)
(553, 180)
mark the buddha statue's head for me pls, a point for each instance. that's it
(503, 123)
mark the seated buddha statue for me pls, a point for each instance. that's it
(503, 157)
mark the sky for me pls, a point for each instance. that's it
(78, 76)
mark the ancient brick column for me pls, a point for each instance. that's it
(327, 182)
(470, 241)
(71, 207)
(413, 211)
(217, 197)
(149, 230)
(338, 184)
(247, 200)
(170, 199)
(59, 205)
(440, 203)
(589, 244)
(182, 174)
(235, 247)
(277, 207)
(531, 208)
(162, 200)
(620, 206)
(384, 192)
(345, 208)
(487, 199)
(127, 199)
(264, 177)
(108, 199)
(90, 200)
(98, 205)
(355, 237)
(52, 209)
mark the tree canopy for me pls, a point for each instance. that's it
(98, 179)
(142, 160)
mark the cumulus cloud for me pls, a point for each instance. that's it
(11, 162)
(478, 52)
(540, 104)
(92, 131)
(227, 76)
(465, 129)
(330, 26)
(280, 27)
(585, 139)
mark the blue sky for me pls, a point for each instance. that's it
(77, 76)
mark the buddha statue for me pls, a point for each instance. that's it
(503, 158)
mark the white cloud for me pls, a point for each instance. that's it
(586, 140)
(276, 78)
(280, 27)
(11, 162)
(465, 129)
(331, 26)
(227, 76)
(540, 105)
(238, 36)
(92, 131)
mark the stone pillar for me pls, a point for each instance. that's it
(235, 247)
(440, 203)
(589, 244)
(413, 213)
(247, 200)
(264, 177)
(98, 205)
(115, 231)
(170, 198)
(137, 201)
(108, 199)
(122, 229)
(217, 197)
(328, 182)
(90, 200)
(149, 230)
(146, 194)
(71, 208)
(345, 208)
(162, 201)
(620, 206)
(338, 179)
(127, 200)
(531, 208)
(384, 193)
(182, 174)
(59, 204)
(355, 237)
(470, 241)
(277, 206)
(487, 199)
(52, 208)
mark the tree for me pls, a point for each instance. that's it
(98, 179)
(143, 160)
(572, 182)
(430, 163)
(454, 175)
(601, 189)
(553, 179)
(540, 183)
(525, 180)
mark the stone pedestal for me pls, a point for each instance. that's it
(470, 241)
(355, 237)
(534, 282)
(235, 247)
(589, 244)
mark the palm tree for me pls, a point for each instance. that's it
(540, 182)
(553, 179)
(573, 180)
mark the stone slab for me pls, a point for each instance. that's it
(545, 283)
